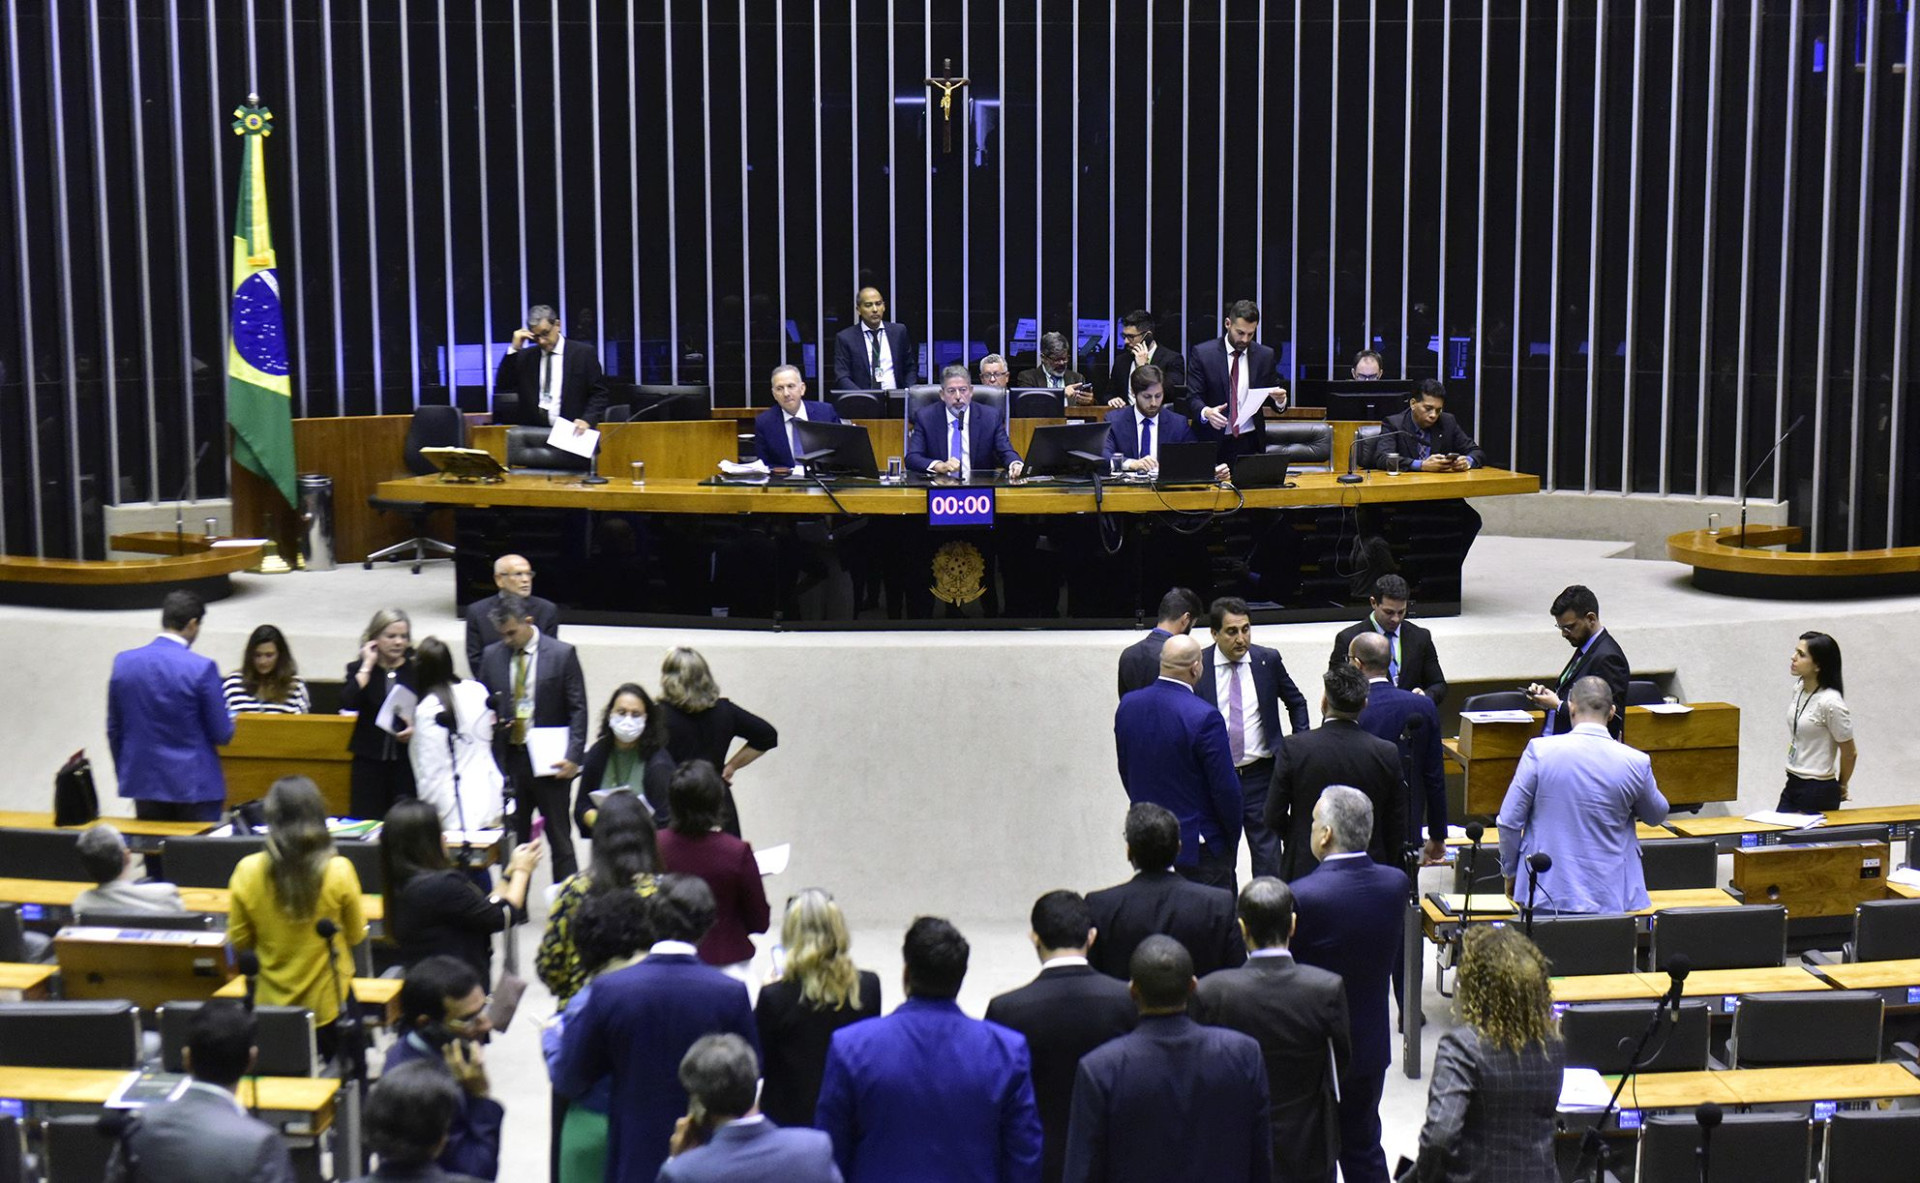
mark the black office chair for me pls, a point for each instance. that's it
(919, 396)
(74, 1150)
(1806, 1027)
(1487, 879)
(1871, 1147)
(660, 404)
(1497, 700)
(167, 921)
(1037, 404)
(201, 861)
(1885, 930)
(617, 413)
(16, 943)
(858, 404)
(432, 427)
(1674, 864)
(70, 1034)
(284, 1035)
(1304, 445)
(528, 451)
(1602, 1036)
(40, 854)
(1750, 937)
(1577, 945)
(1642, 693)
(13, 1150)
(991, 396)
(1747, 1148)
(365, 857)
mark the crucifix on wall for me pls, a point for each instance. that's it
(947, 84)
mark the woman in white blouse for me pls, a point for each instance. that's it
(1820, 751)
(471, 750)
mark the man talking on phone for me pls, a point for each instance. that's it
(1056, 372)
(555, 378)
(443, 1024)
(1137, 349)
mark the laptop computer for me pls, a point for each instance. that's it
(1261, 470)
(1186, 464)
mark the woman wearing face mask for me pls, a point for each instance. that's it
(630, 754)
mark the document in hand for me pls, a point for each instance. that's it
(546, 746)
(563, 437)
(398, 708)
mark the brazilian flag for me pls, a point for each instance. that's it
(259, 396)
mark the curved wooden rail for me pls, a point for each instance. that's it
(126, 583)
(1721, 563)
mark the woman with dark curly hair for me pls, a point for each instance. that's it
(1496, 1080)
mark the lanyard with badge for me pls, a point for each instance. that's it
(1800, 706)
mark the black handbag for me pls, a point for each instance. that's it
(75, 803)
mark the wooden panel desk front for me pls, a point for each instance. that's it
(1734, 832)
(268, 747)
(381, 994)
(60, 893)
(1491, 841)
(1696, 756)
(1820, 1082)
(1440, 927)
(690, 449)
(141, 835)
(26, 981)
(1812, 878)
(307, 1101)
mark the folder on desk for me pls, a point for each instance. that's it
(142, 1088)
(1484, 903)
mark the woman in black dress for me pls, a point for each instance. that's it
(819, 991)
(630, 754)
(701, 725)
(382, 771)
(433, 907)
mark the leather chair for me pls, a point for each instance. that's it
(1305, 445)
(1871, 1147)
(1036, 404)
(659, 404)
(1749, 937)
(1496, 700)
(40, 854)
(70, 1034)
(1588, 944)
(1641, 693)
(1807, 1027)
(432, 427)
(529, 451)
(1672, 864)
(1602, 1035)
(284, 1035)
(858, 404)
(1885, 930)
(1750, 1147)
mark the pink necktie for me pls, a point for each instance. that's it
(1236, 717)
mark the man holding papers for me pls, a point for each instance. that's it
(558, 380)
(1229, 380)
(540, 699)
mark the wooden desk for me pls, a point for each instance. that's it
(190, 561)
(1898, 982)
(143, 836)
(1820, 1082)
(60, 893)
(1491, 842)
(381, 993)
(23, 981)
(1603, 988)
(267, 747)
(1725, 983)
(279, 1099)
(1439, 926)
(1673, 1090)
(1813, 879)
(1733, 832)
(1730, 563)
(1696, 756)
(690, 449)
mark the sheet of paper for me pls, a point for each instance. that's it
(583, 444)
(1910, 876)
(1485, 903)
(752, 468)
(1497, 716)
(546, 746)
(773, 859)
(599, 796)
(1798, 821)
(1583, 1089)
(1251, 402)
(1669, 708)
(398, 706)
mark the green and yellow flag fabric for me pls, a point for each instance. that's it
(259, 395)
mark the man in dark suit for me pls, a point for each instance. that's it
(1413, 664)
(1352, 911)
(730, 1141)
(957, 437)
(1173, 1099)
(1338, 752)
(1247, 683)
(1172, 748)
(1140, 661)
(1425, 435)
(206, 1135)
(926, 1092)
(535, 681)
(443, 1025)
(1138, 348)
(1229, 380)
(1136, 432)
(561, 379)
(1299, 1015)
(513, 575)
(638, 1024)
(774, 435)
(1066, 1012)
(875, 354)
(409, 1116)
(165, 716)
(1408, 722)
(1576, 613)
(1156, 900)
(1056, 372)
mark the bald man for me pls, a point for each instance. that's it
(1173, 751)
(875, 354)
(513, 575)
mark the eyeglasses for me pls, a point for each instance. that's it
(1569, 627)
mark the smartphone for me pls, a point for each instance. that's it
(539, 828)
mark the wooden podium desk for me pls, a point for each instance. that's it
(1734, 832)
(56, 896)
(379, 994)
(142, 836)
(268, 747)
(27, 981)
(1813, 879)
(1897, 982)
(303, 1101)
(1696, 756)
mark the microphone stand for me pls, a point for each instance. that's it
(1353, 449)
(1756, 472)
(450, 721)
(180, 502)
(1538, 864)
(1593, 1145)
(347, 1056)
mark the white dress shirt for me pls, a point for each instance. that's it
(1253, 728)
(793, 437)
(966, 437)
(552, 374)
(882, 373)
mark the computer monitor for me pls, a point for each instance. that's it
(843, 449)
(1067, 448)
(1358, 399)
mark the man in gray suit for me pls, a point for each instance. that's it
(724, 1136)
(106, 860)
(207, 1135)
(535, 681)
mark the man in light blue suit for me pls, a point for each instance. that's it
(927, 1093)
(774, 433)
(1173, 751)
(741, 1145)
(165, 717)
(980, 430)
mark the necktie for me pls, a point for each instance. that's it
(957, 445)
(519, 732)
(546, 381)
(1233, 395)
(1236, 716)
(1146, 437)
(1393, 662)
(793, 441)
(1426, 443)
(873, 351)
(1054, 380)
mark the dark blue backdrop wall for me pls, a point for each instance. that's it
(1636, 245)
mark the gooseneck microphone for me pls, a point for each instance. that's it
(249, 963)
(179, 501)
(1475, 831)
(1538, 863)
(1678, 967)
(1350, 477)
(1795, 426)
(1708, 1115)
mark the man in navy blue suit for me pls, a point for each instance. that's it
(165, 717)
(1229, 380)
(639, 1023)
(927, 1093)
(1140, 661)
(875, 354)
(1410, 722)
(1136, 432)
(1171, 1099)
(1351, 912)
(730, 1140)
(1247, 683)
(774, 434)
(1173, 752)
(956, 438)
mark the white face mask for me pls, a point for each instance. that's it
(627, 728)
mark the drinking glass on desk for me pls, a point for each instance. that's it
(639, 468)
(896, 472)
(1393, 464)
(1117, 466)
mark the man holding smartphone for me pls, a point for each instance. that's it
(1056, 372)
(1426, 437)
(555, 378)
(1138, 348)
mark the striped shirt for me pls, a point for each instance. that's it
(240, 702)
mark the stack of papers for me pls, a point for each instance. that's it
(752, 468)
(1498, 716)
(1669, 708)
(773, 859)
(1796, 821)
(1583, 1089)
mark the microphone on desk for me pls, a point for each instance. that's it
(1474, 831)
(1678, 967)
(249, 963)
(179, 502)
(347, 1050)
(1351, 477)
(1708, 1115)
(1539, 863)
(1795, 426)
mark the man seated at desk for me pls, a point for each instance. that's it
(1429, 439)
(955, 438)
(776, 440)
(106, 860)
(1136, 432)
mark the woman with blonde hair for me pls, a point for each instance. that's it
(1496, 1079)
(280, 894)
(818, 991)
(701, 724)
(382, 772)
